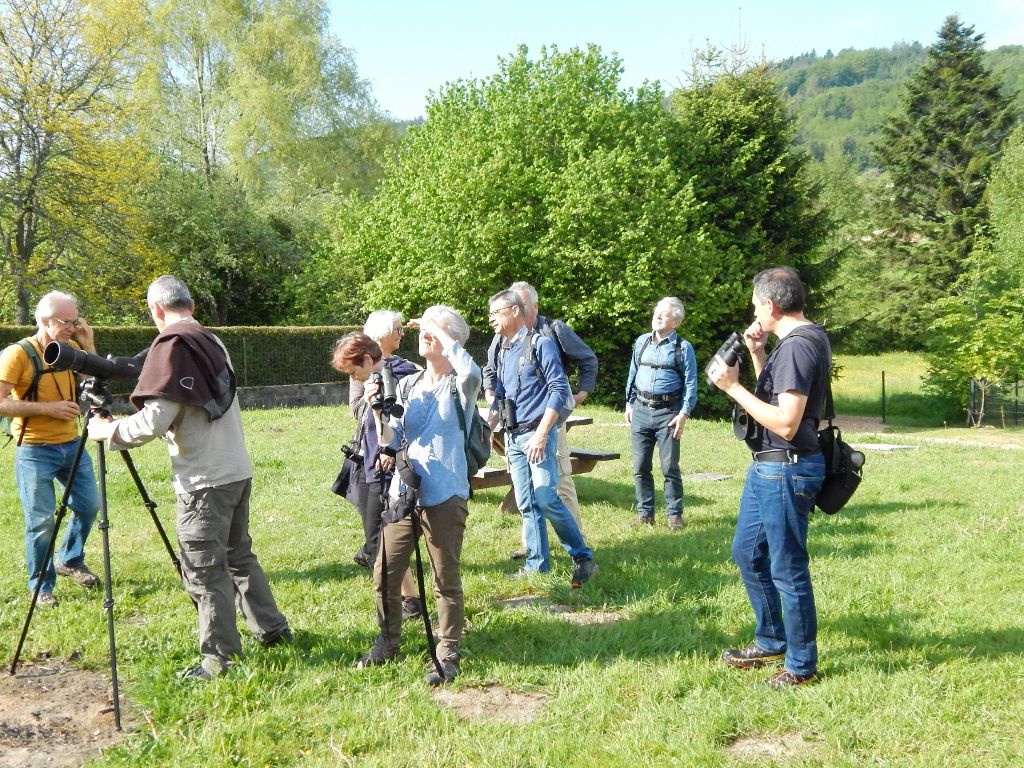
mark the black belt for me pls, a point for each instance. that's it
(650, 400)
(778, 454)
(527, 427)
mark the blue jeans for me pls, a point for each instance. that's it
(536, 487)
(647, 428)
(770, 548)
(35, 469)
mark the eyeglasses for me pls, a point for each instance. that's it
(399, 330)
(499, 310)
(73, 323)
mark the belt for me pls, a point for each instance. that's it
(527, 427)
(778, 454)
(649, 400)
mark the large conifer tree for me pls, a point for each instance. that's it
(938, 153)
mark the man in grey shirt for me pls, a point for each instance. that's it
(186, 393)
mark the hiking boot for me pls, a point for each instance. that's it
(79, 573)
(640, 521)
(675, 523)
(412, 608)
(382, 652)
(785, 679)
(46, 599)
(583, 568)
(202, 672)
(361, 559)
(520, 554)
(751, 657)
(449, 670)
(283, 637)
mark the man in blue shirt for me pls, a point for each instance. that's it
(531, 395)
(574, 353)
(661, 391)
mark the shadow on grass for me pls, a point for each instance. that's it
(899, 645)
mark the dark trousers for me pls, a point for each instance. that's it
(370, 508)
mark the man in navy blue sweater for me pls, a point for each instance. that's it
(531, 395)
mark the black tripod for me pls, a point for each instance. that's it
(95, 394)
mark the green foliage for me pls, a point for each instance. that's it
(68, 161)
(259, 91)
(232, 256)
(1005, 193)
(976, 336)
(976, 342)
(604, 200)
(938, 153)
(840, 102)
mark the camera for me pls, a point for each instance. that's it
(351, 452)
(386, 398)
(507, 413)
(64, 356)
(730, 351)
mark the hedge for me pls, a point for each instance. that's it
(262, 356)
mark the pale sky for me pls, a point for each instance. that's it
(406, 48)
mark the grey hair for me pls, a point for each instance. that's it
(381, 323)
(521, 286)
(47, 306)
(170, 293)
(678, 310)
(449, 319)
(510, 298)
(782, 285)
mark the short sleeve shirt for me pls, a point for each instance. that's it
(798, 364)
(17, 369)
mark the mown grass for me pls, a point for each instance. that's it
(858, 390)
(918, 584)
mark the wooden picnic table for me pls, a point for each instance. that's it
(583, 461)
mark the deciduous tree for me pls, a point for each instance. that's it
(67, 166)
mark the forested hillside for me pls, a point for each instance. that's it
(840, 100)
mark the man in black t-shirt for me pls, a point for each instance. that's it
(770, 545)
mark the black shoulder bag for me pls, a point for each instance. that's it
(843, 464)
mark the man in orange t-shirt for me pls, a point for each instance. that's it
(47, 432)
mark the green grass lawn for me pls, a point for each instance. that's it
(918, 584)
(858, 390)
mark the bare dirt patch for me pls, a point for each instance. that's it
(493, 702)
(567, 612)
(775, 748)
(54, 714)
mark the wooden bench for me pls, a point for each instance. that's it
(583, 461)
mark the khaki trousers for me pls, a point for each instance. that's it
(444, 527)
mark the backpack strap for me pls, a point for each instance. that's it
(408, 383)
(461, 411)
(828, 411)
(638, 356)
(678, 367)
(33, 389)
